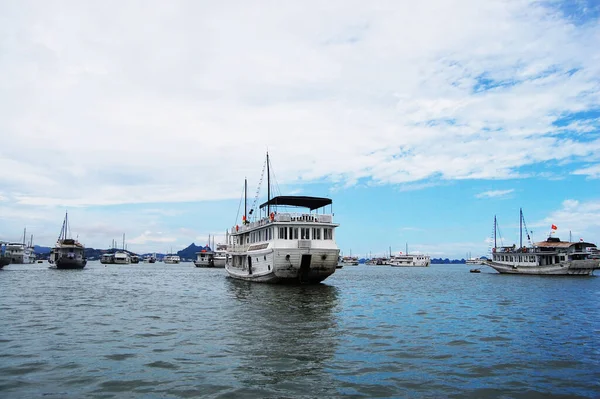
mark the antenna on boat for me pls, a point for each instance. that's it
(245, 200)
(268, 187)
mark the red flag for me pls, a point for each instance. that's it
(554, 227)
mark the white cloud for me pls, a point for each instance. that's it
(494, 193)
(592, 172)
(198, 92)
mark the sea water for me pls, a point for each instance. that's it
(177, 331)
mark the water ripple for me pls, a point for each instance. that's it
(176, 331)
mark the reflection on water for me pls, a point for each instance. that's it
(293, 335)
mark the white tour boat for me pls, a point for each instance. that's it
(171, 259)
(550, 257)
(20, 253)
(68, 253)
(281, 246)
(121, 258)
(410, 260)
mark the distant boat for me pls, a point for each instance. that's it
(205, 257)
(409, 260)
(283, 247)
(134, 259)
(550, 257)
(171, 259)
(475, 261)
(348, 260)
(121, 258)
(107, 259)
(150, 259)
(20, 253)
(68, 253)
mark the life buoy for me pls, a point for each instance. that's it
(272, 216)
(237, 228)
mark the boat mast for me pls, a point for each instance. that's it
(520, 227)
(495, 228)
(245, 200)
(268, 187)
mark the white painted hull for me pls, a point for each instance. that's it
(409, 265)
(280, 266)
(578, 268)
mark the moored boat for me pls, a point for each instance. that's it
(281, 246)
(205, 257)
(121, 258)
(68, 253)
(550, 257)
(348, 261)
(410, 260)
(172, 259)
(150, 258)
(107, 259)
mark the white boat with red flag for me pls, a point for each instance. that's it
(282, 244)
(550, 257)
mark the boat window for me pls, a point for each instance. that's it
(328, 234)
(316, 233)
(304, 233)
(293, 233)
(283, 233)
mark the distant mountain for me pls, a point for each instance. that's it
(189, 252)
(41, 250)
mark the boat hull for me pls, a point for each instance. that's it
(4, 262)
(66, 263)
(572, 268)
(284, 266)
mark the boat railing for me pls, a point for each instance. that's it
(285, 217)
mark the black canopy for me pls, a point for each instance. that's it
(297, 200)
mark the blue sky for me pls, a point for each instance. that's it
(420, 121)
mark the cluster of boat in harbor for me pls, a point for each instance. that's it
(280, 245)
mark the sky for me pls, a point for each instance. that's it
(421, 120)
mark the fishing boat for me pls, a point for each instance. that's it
(68, 253)
(281, 246)
(550, 257)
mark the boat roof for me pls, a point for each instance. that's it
(561, 244)
(311, 203)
